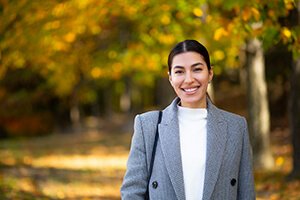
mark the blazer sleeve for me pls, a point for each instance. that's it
(246, 188)
(135, 179)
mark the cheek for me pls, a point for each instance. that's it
(203, 79)
(176, 80)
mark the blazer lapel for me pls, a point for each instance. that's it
(170, 145)
(216, 142)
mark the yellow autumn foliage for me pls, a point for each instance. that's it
(230, 27)
(289, 4)
(82, 4)
(279, 161)
(153, 31)
(209, 18)
(246, 14)
(165, 7)
(96, 72)
(59, 10)
(166, 38)
(271, 13)
(88, 33)
(180, 15)
(198, 12)
(218, 55)
(165, 20)
(70, 37)
(219, 33)
(286, 32)
(96, 29)
(112, 54)
(255, 13)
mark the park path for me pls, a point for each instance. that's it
(91, 164)
(86, 165)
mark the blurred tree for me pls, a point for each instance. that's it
(26, 108)
(295, 100)
(258, 107)
(114, 51)
(240, 21)
(76, 44)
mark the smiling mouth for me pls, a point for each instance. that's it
(190, 89)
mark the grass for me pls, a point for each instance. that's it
(91, 165)
(86, 166)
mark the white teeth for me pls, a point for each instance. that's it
(190, 90)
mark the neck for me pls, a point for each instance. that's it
(202, 104)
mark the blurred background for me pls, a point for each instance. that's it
(74, 73)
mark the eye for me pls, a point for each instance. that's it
(198, 69)
(178, 72)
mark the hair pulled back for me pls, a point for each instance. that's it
(189, 45)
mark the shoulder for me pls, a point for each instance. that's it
(152, 116)
(231, 116)
(232, 119)
(235, 123)
(148, 116)
(146, 119)
(222, 114)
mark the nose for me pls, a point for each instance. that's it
(189, 78)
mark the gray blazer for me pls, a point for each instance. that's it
(229, 172)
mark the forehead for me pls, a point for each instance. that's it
(187, 59)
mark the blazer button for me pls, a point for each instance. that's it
(233, 182)
(154, 184)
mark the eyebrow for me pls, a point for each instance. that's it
(193, 65)
(196, 64)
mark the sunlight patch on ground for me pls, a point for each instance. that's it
(64, 166)
(73, 190)
(90, 162)
(86, 162)
(59, 190)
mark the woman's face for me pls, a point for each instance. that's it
(190, 77)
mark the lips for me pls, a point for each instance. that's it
(189, 90)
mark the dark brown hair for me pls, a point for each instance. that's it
(189, 45)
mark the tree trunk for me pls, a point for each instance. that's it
(295, 104)
(108, 110)
(164, 93)
(125, 99)
(258, 108)
(74, 112)
(295, 117)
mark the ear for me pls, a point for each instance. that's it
(211, 73)
(170, 79)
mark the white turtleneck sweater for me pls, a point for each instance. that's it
(193, 133)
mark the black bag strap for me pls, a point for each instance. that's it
(153, 154)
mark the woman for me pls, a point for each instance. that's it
(202, 152)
